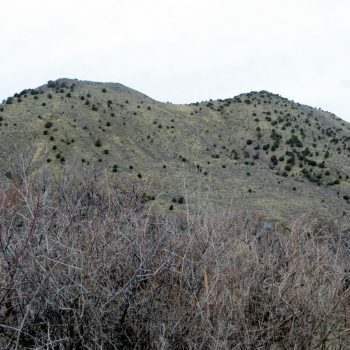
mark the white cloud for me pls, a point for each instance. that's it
(346, 83)
(182, 51)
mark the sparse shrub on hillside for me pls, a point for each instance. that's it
(294, 141)
(311, 162)
(291, 160)
(274, 160)
(34, 92)
(51, 84)
(98, 143)
(48, 125)
(249, 142)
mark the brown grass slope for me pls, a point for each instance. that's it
(257, 151)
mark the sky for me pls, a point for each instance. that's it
(183, 51)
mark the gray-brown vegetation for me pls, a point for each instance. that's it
(90, 267)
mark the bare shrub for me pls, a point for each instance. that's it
(91, 268)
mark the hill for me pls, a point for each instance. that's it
(256, 151)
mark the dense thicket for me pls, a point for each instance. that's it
(92, 268)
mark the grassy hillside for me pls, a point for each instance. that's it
(256, 151)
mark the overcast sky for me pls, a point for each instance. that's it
(183, 50)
